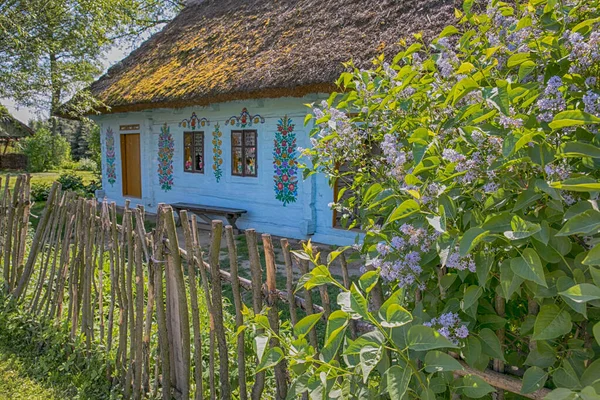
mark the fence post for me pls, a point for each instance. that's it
(256, 272)
(215, 249)
(289, 269)
(312, 335)
(163, 332)
(281, 380)
(189, 246)
(177, 308)
(239, 318)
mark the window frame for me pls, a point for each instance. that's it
(243, 148)
(193, 150)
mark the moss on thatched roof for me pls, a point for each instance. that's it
(11, 128)
(216, 51)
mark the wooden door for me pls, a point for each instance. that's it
(130, 162)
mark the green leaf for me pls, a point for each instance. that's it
(408, 207)
(395, 381)
(579, 149)
(529, 267)
(517, 59)
(593, 256)
(368, 280)
(467, 5)
(395, 316)
(474, 387)
(472, 294)
(449, 30)
(271, 359)
(561, 394)
(577, 187)
(591, 374)
(304, 326)
(470, 239)
(584, 223)
(369, 358)
(551, 322)
(260, 343)
(521, 229)
(472, 351)
(320, 275)
(358, 303)
(533, 379)
(425, 338)
(437, 361)
(582, 293)
(334, 335)
(526, 68)
(462, 88)
(509, 281)
(491, 344)
(572, 118)
(596, 331)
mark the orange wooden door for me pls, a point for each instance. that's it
(131, 165)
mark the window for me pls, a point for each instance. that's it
(193, 152)
(243, 153)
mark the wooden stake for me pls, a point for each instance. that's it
(273, 315)
(239, 318)
(312, 335)
(189, 246)
(289, 268)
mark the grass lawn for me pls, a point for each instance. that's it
(16, 385)
(44, 177)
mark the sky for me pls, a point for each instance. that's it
(24, 114)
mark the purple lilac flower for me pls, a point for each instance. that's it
(450, 326)
(590, 81)
(552, 101)
(452, 155)
(560, 172)
(394, 157)
(383, 249)
(510, 122)
(455, 261)
(491, 187)
(592, 103)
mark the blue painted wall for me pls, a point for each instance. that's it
(308, 217)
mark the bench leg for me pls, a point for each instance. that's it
(231, 218)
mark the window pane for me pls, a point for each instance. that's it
(250, 161)
(236, 138)
(187, 152)
(237, 162)
(250, 137)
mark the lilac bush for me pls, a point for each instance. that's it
(476, 163)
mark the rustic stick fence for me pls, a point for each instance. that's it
(136, 293)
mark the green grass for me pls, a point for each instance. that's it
(44, 177)
(15, 384)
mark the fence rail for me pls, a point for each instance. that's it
(137, 293)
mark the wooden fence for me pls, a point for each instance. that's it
(136, 293)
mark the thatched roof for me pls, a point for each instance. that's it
(11, 128)
(221, 50)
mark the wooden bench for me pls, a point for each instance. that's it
(231, 214)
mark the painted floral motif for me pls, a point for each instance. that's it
(111, 171)
(217, 152)
(284, 162)
(194, 122)
(166, 149)
(245, 119)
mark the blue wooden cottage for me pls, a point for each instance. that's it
(210, 110)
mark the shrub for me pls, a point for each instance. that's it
(71, 181)
(40, 191)
(86, 164)
(475, 164)
(45, 151)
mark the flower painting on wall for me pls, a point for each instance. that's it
(111, 171)
(245, 119)
(285, 162)
(217, 152)
(166, 149)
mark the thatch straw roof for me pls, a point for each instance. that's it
(11, 128)
(221, 50)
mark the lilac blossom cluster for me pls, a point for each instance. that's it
(447, 58)
(346, 137)
(394, 157)
(584, 54)
(552, 101)
(591, 102)
(558, 172)
(450, 326)
(455, 261)
(399, 260)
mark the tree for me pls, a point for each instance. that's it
(49, 49)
